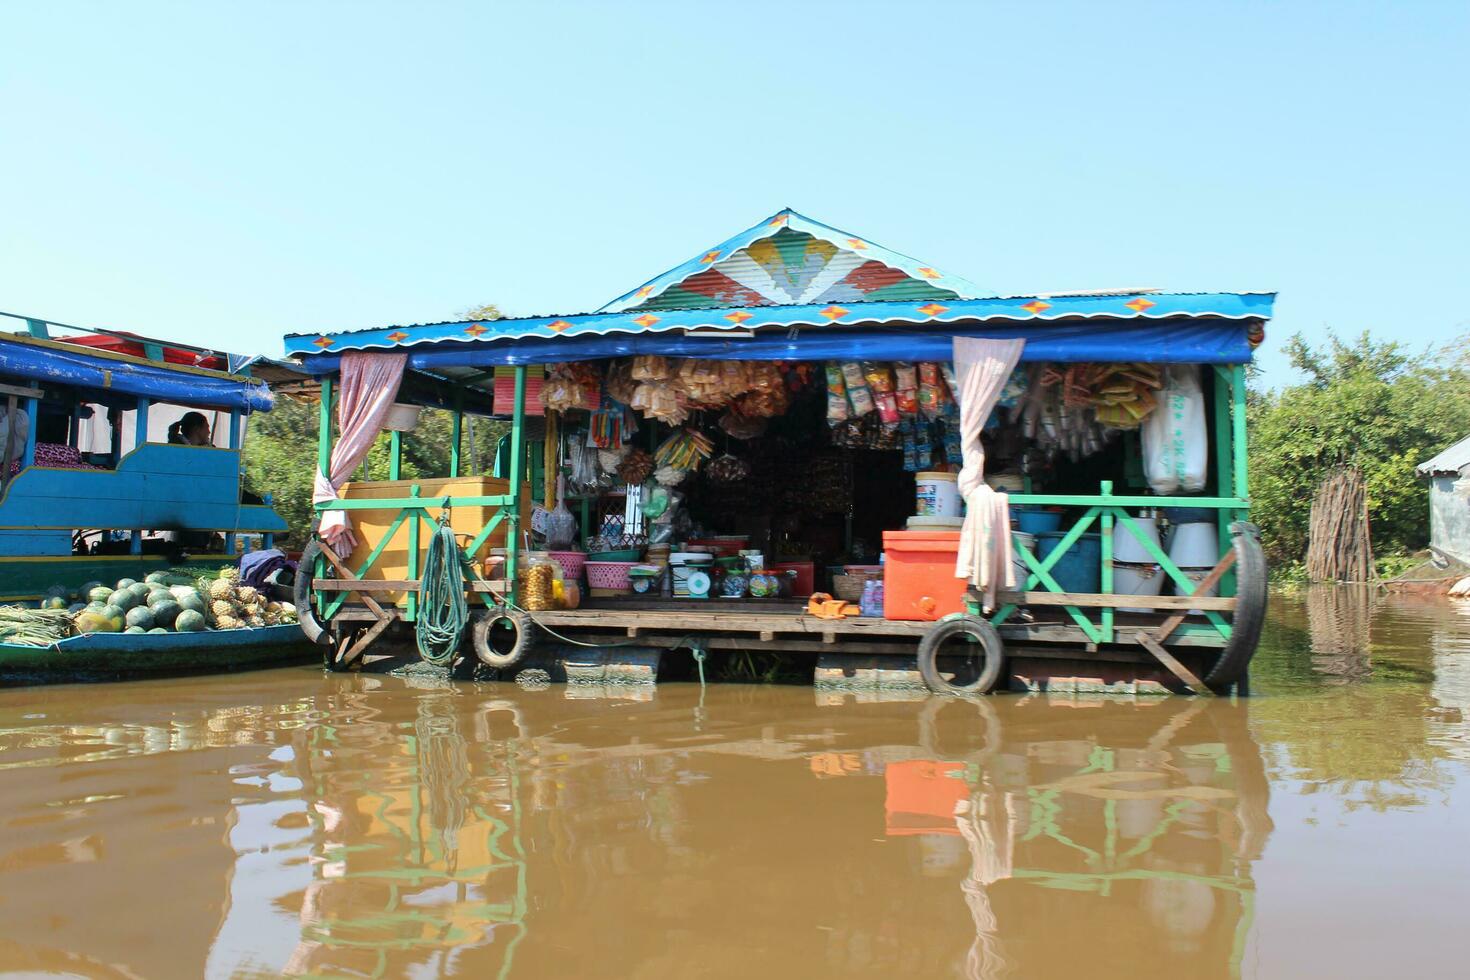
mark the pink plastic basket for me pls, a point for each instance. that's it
(609, 575)
(571, 563)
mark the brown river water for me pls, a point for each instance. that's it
(292, 822)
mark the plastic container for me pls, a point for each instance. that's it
(924, 523)
(1194, 545)
(804, 577)
(1036, 521)
(401, 417)
(936, 495)
(1020, 540)
(725, 546)
(1127, 549)
(1007, 482)
(1137, 578)
(610, 575)
(1196, 576)
(625, 554)
(1080, 569)
(920, 583)
(571, 562)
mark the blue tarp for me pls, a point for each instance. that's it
(1201, 341)
(50, 365)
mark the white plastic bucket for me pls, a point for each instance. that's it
(1196, 576)
(1128, 549)
(1194, 546)
(401, 418)
(1136, 578)
(938, 495)
(1020, 540)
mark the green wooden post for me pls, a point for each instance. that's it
(140, 436)
(1107, 562)
(395, 460)
(324, 431)
(456, 434)
(411, 601)
(1224, 472)
(1237, 405)
(517, 473)
(230, 539)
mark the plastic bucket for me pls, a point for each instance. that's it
(936, 495)
(1194, 545)
(1137, 578)
(1037, 521)
(1196, 576)
(1080, 569)
(1126, 548)
(1021, 540)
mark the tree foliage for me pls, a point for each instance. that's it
(1372, 404)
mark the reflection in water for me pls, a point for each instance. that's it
(378, 826)
(1340, 619)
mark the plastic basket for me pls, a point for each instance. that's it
(609, 575)
(571, 563)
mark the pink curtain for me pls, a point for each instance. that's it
(982, 368)
(368, 387)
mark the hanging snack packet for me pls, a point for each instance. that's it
(910, 446)
(879, 378)
(924, 442)
(953, 451)
(836, 394)
(888, 406)
(931, 391)
(950, 381)
(857, 389)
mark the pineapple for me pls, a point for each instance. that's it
(221, 589)
(227, 623)
(247, 593)
(229, 574)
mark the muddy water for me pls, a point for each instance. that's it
(294, 823)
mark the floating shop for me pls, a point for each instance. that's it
(801, 441)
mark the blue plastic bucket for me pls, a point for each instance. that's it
(1037, 521)
(1080, 569)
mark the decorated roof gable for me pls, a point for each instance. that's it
(790, 260)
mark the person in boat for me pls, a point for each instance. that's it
(191, 430)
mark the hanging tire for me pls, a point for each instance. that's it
(334, 643)
(313, 629)
(502, 639)
(987, 646)
(1251, 596)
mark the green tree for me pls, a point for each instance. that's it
(1365, 403)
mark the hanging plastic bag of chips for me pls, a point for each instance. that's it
(858, 394)
(931, 391)
(836, 394)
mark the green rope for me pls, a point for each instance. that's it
(442, 609)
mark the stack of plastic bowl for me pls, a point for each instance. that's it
(1134, 570)
(1195, 548)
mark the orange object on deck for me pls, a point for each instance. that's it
(919, 581)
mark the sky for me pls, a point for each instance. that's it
(224, 174)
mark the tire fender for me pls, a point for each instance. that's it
(990, 646)
(1252, 593)
(311, 627)
(525, 629)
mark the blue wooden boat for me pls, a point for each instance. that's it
(93, 491)
(123, 655)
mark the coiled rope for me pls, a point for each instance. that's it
(443, 612)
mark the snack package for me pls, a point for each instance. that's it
(878, 376)
(836, 394)
(888, 407)
(910, 446)
(953, 451)
(905, 376)
(858, 394)
(931, 391)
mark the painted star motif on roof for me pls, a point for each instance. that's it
(558, 326)
(397, 335)
(710, 256)
(929, 273)
(476, 329)
(857, 243)
(834, 312)
(324, 342)
(1035, 306)
(1140, 304)
(933, 309)
(738, 317)
(646, 320)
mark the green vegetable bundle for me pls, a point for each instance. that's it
(34, 627)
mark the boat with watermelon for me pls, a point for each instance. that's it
(123, 523)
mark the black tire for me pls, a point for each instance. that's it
(489, 649)
(314, 630)
(1251, 594)
(989, 647)
(334, 643)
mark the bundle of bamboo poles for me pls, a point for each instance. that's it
(1339, 547)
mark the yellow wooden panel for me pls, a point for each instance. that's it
(371, 525)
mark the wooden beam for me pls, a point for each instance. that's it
(1094, 600)
(1175, 667)
(1171, 624)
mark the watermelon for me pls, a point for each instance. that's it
(89, 586)
(126, 583)
(189, 621)
(164, 613)
(122, 599)
(90, 622)
(55, 602)
(76, 607)
(135, 629)
(159, 595)
(156, 578)
(56, 591)
(158, 629)
(140, 589)
(100, 593)
(141, 617)
(192, 601)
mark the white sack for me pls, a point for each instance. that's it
(1175, 442)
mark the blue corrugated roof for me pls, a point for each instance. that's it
(1139, 306)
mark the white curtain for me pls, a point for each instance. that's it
(982, 368)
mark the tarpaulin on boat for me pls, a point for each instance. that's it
(56, 363)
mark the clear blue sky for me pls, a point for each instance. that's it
(227, 173)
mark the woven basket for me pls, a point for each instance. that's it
(849, 588)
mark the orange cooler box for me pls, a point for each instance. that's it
(919, 580)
